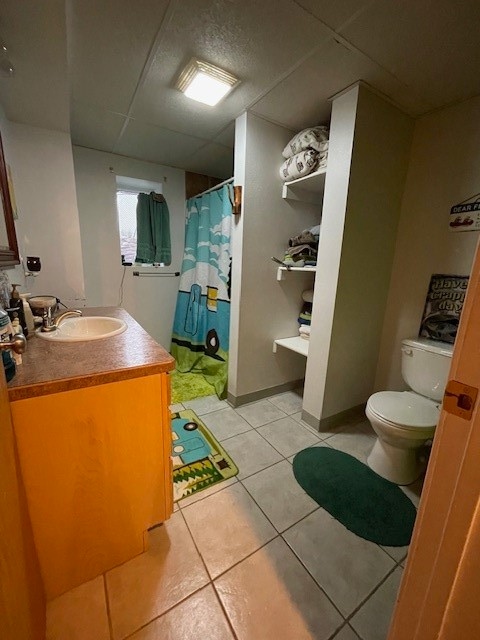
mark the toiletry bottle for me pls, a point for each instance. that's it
(14, 295)
(6, 331)
(27, 312)
(17, 304)
(17, 329)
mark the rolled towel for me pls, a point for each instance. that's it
(304, 331)
(312, 138)
(307, 295)
(299, 165)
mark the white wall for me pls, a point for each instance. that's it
(262, 308)
(382, 143)
(368, 159)
(150, 300)
(342, 127)
(444, 170)
(47, 226)
(236, 248)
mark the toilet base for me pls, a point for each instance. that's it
(400, 466)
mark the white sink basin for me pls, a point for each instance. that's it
(84, 328)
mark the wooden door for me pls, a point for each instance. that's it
(439, 596)
(22, 600)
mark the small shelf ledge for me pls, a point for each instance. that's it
(297, 344)
(281, 271)
(307, 189)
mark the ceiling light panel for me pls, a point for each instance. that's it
(205, 83)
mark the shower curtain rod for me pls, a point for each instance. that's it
(217, 186)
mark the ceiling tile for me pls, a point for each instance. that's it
(212, 160)
(94, 127)
(38, 93)
(332, 12)
(431, 46)
(155, 144)
(226, 136)
(301, 100)
(256, 41)
(167, 107)
(109, 43)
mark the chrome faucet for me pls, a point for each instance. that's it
(50, 323)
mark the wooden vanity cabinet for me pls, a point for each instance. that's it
(96, 467)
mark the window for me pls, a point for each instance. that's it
(127, 224)
(127, 197)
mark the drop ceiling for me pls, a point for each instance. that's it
(105, 69)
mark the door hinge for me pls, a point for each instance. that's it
(459, 399)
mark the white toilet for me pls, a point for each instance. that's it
(405, 420)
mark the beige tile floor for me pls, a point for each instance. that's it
(253, 558)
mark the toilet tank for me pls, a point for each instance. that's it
(425, 366)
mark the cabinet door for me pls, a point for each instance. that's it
(95, 463)
(22, 601)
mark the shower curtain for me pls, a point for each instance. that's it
(202, 316)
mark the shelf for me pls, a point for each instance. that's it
(282, 270)
(297, 344)
(307, 189)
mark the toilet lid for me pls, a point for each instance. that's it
(404, 408)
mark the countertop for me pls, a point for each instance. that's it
(51, 367)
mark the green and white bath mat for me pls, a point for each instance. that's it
(199, 460)
(365, 503)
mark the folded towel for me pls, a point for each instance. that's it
(303, 250)
(305, 316)
(312, 138)
(299, 165)
(306, 237)
(304, 331)
(293, 261)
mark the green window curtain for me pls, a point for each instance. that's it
(153, 229)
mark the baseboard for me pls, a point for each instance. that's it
(238, 401)
(326, 424)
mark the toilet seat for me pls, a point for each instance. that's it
(404, 409)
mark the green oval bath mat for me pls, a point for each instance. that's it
(356, 496)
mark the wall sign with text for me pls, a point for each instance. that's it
(443, 306)
(465, 216)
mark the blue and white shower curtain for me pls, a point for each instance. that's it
(201, 327)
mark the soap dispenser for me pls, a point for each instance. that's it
(16, 308)
(14, 296)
